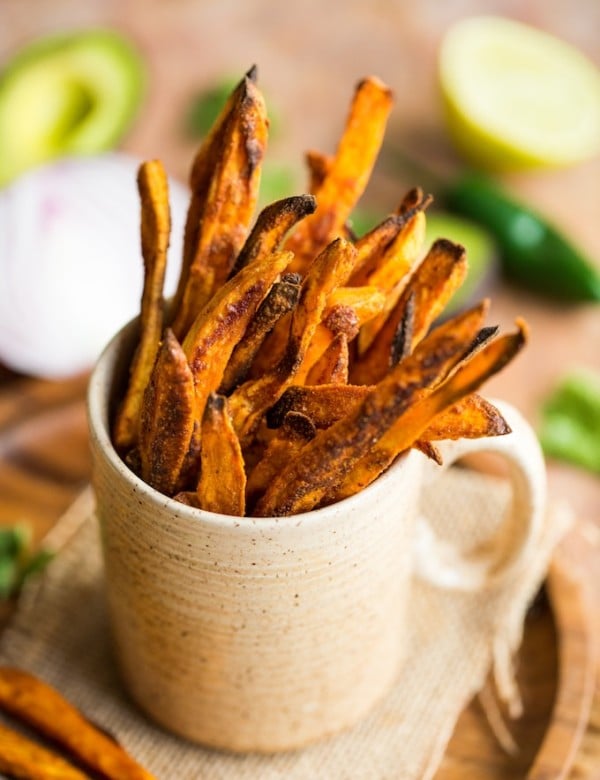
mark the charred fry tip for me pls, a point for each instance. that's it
(375, 81)
(457, 251)
(483, 336)
(292, 278)
(523, 329)
(300, 425)
(300, 205)
(276, 414)
(215, 403)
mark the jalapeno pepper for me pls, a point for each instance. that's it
(533, 252)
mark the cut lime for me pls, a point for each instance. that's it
(518, 98)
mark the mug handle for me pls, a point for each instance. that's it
(441, 563)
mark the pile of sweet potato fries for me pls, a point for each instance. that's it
(297, 361)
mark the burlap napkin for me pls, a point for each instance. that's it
(60, 633)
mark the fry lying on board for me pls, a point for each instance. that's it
(43, 710)
(296, 361)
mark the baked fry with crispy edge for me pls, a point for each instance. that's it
(281, 299)
(225, 181)
(330, 269)
(431, 286)
(296, 430)
(43, 709)
(222, 484)
(305, 482)
(24, 759)
(467, 377)
(155, 232)
(345, 178)
(167, 420)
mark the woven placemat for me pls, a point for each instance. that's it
(60, 632)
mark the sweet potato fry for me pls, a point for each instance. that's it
(339, 321)
(167, 418)
(296, 430)
(24, 759)
(319, 166)
(471, 418)
(223, 321)
(384, 262)
(222, 483)
(333, 365)
(281, 299)
(429, 450)
(155, 228)
(304, 483)
(331, 268)
(432, 284)
(478, 366)
(42, 708)
(367, 301)
(348, 174)
(271, 226)
(323, 404)
(225, 181)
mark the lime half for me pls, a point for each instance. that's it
(517, 98)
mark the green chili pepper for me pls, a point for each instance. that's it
(533, 252)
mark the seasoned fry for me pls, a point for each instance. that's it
(385, 264)
(348, 174)
(225, 181)
(432, 284)
(273, 223)
(330, 269)
(323, 404)
(23, 759)
(305, 385)
(319, 166)
(155, 229)
(296, 430)
(223, 321)
(42, 708)
(333, 365)
(281, 299)
(466, 378)
(304, 483)
(222, 483)
(471, 418)
(403, 336)
(167, 420)
(429, 450)
(366, 301)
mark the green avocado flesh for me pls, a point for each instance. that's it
(73, 94)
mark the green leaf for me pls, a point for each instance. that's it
(8, 576)
(570, 428)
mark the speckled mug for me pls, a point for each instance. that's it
(264, 634)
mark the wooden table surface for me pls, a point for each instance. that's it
(310, 55)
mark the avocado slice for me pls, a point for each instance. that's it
(75, 93)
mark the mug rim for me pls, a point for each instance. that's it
(96, 406)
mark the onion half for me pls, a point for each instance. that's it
(71, 271)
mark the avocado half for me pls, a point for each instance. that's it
(75, 93)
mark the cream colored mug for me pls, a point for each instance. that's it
(264, 634)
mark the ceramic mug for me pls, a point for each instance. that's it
(264, 634)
